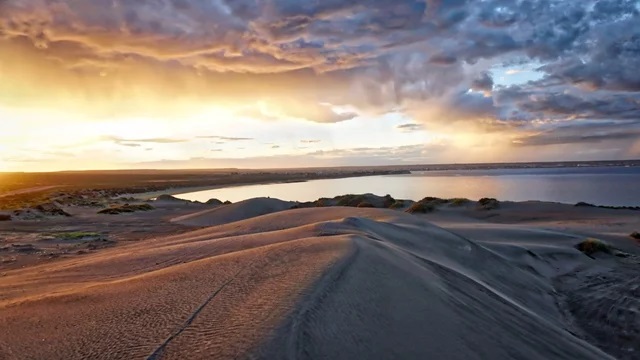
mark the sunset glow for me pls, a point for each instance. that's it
(86, 85)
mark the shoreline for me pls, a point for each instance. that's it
(71, 188)
(192, 189)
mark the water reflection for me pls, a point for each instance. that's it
(609, 186)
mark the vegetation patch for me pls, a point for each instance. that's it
(169, 198)
(399, 204)
(322, 202)
(350, 200)
(23, 248)
(305, 205)
(488, 204)
(459, 201)
(591, 246)
(365, 204)
(213, 202)
(434, 201)
(584, 204)
(421, 208)
(126, 208)
(50, 209)
(388, 201)
(77, 235)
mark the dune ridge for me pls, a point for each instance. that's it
(234, 212)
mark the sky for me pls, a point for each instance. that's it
(289, 83)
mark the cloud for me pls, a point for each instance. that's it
(365, 156)
(483, 83)
(554, 139)
(589, 133)
(311, 141)
(272, 110)
(224, 139)
(410, 127)
(137, 142)
(560, 102)
(309, 59)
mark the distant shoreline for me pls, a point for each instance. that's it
(390, 167)
(404, 171)
(19, 190)
(191, 189)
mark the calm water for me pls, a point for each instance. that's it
(603, 186)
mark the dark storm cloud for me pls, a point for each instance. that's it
(325, 35)
(377, 54)
(554, 139)
(483, 83)
(559, 103)
(585, 133)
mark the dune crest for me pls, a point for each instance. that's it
(234, 212)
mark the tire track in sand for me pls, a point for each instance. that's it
(160, 349)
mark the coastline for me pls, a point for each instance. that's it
(191, 189)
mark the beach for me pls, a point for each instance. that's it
(266, 279)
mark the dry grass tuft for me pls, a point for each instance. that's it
(591, 246)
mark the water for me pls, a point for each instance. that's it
(614, 186)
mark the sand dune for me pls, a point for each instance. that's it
(415, 291)
(317, 283)
(234, 212)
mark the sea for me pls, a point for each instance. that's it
(609, 186)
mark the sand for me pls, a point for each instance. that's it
(234, 212)
(257, 280)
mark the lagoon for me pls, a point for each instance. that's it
(613, 186)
